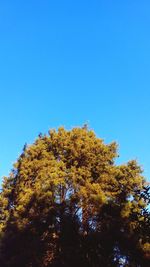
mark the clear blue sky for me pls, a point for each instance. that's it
(71, 62)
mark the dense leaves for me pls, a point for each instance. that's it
(66, 203)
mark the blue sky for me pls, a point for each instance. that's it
(75, 62)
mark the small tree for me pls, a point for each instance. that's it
(66, 203)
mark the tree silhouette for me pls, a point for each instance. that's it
(66, 203)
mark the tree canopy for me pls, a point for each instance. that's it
(67, 203)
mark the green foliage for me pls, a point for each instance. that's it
(66, 203)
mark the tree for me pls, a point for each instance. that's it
(66, 203)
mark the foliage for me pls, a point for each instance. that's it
(66, 203)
